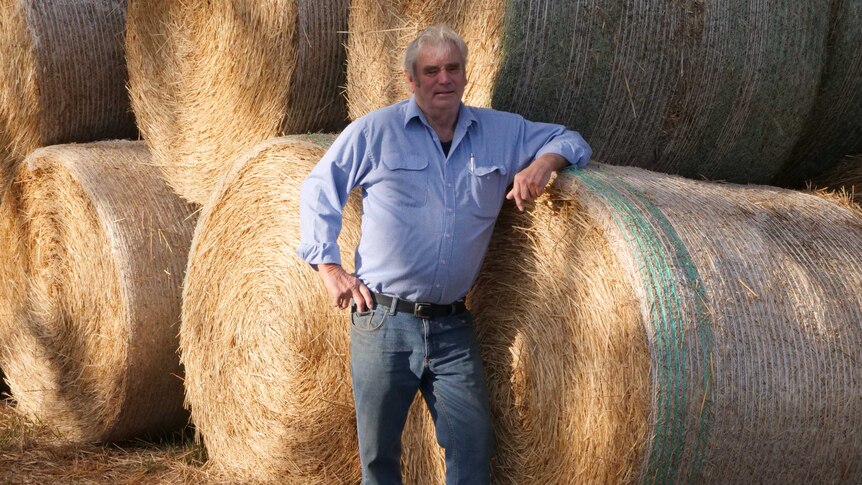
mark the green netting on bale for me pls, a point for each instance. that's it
(661, 256)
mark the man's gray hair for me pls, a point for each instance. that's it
(435, 35)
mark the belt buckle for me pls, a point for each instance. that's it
(422, 310)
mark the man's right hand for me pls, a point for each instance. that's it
(342, 286)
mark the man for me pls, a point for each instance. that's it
(433, 174)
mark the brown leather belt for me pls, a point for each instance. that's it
(421, 310)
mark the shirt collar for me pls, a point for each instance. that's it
(465, 114)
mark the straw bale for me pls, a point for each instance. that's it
(266, 356)
(102, 243)
(705, 89)
(834, 128)
(744, 368)
(62, 75)
(208, 80)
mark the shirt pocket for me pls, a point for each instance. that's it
(405, 182)
(487, 183)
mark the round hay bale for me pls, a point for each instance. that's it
(103, 242)
(62, 75)
(266, 356)
(643, 327)
(705, 89)
(834, 128)
(208, 80)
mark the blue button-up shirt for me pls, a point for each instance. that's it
(426, 218)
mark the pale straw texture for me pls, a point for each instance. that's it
(208, 80)
(102, 242)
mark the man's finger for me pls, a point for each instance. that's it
(365, 294)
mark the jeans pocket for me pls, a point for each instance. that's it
(369, 320)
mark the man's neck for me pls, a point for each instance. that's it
(443, 123)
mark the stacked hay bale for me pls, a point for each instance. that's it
(208, 80)
(834, 128)
(62, 76)
(266, 355)
(717, 89)
(91, 346)
(642, 327)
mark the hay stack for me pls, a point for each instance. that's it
(716, 89)
(266, 356)
(62, 75)
(103, 243)
(642, 327)
(208, 80)
(834, 129)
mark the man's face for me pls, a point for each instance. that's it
(439, 80)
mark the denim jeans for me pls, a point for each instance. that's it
(392, 356)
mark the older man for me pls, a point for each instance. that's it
(433, 174)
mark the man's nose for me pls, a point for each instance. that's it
(444, 77)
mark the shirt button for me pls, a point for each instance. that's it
(447, 235)
(450, 210)
(442, 261)
(437, 286)
(449, 185)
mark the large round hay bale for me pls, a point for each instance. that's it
(643, 327)
(834, 128)
(705, 89)
(208, 80)
(62, 75)
(103, 242)
(266, 355)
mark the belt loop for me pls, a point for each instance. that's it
(392, 307)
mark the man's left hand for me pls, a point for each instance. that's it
(530, 182)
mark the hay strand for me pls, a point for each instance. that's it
(208, 80)
(103, 245)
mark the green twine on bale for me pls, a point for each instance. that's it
(660, 251)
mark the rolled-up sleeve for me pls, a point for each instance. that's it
(324, 194)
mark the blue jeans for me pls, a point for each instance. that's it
(394, 355)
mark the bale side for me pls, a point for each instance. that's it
(750, 301)
(564, 349)
(266, 355)
(62, 75)
(235, 73)
(97, 357)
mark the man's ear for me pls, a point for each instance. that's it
(408, 76)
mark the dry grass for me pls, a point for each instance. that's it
(33, 453)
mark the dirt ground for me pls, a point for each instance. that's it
(32, 453)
